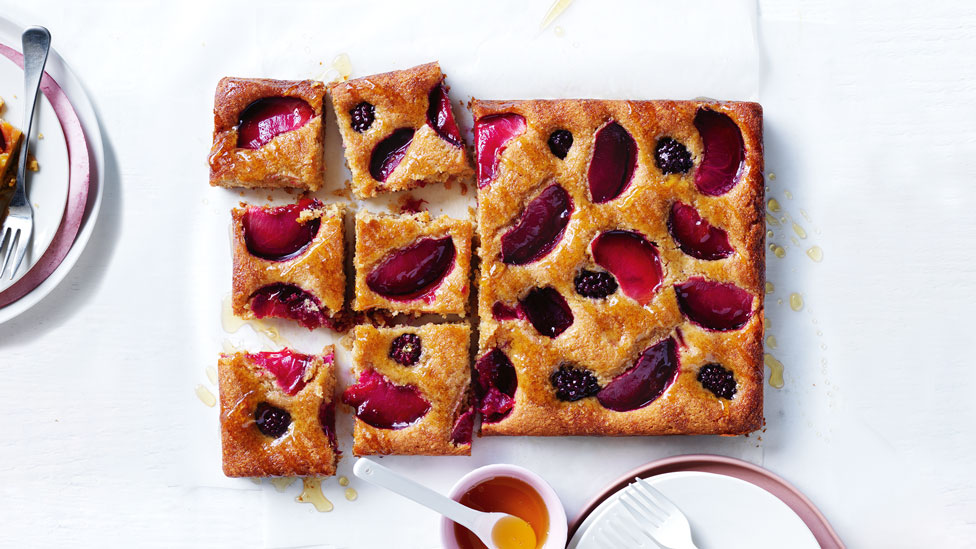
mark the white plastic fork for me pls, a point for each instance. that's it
(655, 516)
(19, 223)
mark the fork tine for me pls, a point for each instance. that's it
(635, 507)
(22, 244)
(660, 499)
(649, 502)
(11, 246)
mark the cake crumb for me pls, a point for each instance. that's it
(344, 192)
(464, 189)
(40, 135)
(407, 204)
(32, 164)
(448, 184)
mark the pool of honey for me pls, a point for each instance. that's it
(505, 495)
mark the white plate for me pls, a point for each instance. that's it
(723, 511)
(48, 187)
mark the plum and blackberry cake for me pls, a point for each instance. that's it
(268, 133)
(288, 262)
(412, 394)
(622, 267)
(412, 264)
(277, 413)
(398, 131)
(9, 150)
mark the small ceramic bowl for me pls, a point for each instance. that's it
(556, 538)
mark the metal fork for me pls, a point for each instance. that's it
(19, 224)
(656, 517)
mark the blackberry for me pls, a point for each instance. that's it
(717, 379)
(405, 349)
(595, 284)
(560, 141)
(362, 115)
(671, 156)
(572, 383)
(271, 420)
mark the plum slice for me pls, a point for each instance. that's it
(267, 118)
(288, 301)
(491, 134)
(695, 236)
(645, 381)
(463, 426)
(724, 152)
(714, 305)
(541, 227)
(632, 260)
(495, 385)
(414, 271)
(501, 311)
(275, 233)
(327, 421)
(287, 366)
(383, 404)
(547, 310)
(389, 152)
(440, 117)
(613, 163)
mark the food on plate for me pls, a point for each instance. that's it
(268, 133)
(412, 263)
(399, 132)
(277, 413)
(9, 149)
(622, 267)
(412, 392)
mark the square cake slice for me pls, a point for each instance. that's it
(277, 414)
(412, 390)
(9, 151)
(622, 267)
(268, 133)
(399, 132)
(288, 262)
(412, 264)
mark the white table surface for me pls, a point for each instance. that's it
(869, 127)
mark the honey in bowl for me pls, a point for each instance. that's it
(504, 494)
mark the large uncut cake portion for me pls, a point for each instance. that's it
(622, 267)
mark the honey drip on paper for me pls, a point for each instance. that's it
(796, 301)
(342, 65)
(772, 176)
(558, 32)
(775, 370)
(815, 253)
(206, 396)
(558, 7)
(788, 194)
(772, 220)
(280, 483)
(778, 250)
(769, 287)
(212, 374)
(800, 232)
(343, 481)
(232, 323)
(771, 342)
(351, 494)
(312, 493)
(773, 205)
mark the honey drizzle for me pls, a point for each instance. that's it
(796, 301)
(312, 493)
(775, 370)
(351, 494)
(281, 483)
(558, 7)
(206, 396)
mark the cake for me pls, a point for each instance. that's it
(622, 267)
(277, 415)
(398, 131)
(288, 262)
(412, 391)
(268, 133)
(412, 264)
(9, 150)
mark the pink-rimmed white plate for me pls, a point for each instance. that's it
(66, 192)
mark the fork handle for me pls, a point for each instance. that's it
(37, 44)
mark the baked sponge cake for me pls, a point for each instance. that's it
(398, 131)
(622, 267)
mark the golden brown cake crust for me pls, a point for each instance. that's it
(607, 335)
(291, 160)
(400, 99)
(8, 163)
(304, 449)
(318, 270)
(443, 376)
(379, 234)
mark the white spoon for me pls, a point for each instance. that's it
(495, 530)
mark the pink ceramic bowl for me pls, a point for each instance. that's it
(555, 539)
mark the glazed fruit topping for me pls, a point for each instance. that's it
(271, 420)
(573, 383)
(440, 117)
(671, 156)
(613, 163)
(540, 228)
(327, 420)
(389, 152)
(560, 141)
(695, 236)
(724, 152)
(405, 349)
(595, 284)
(632, 260)
(267, 118)
(463, 427)
(383, 404)
(414, 271)
(718, 379)
(288, 301)
(287, 366)
(362, 116)
(714, 305)
(495, 384)
(501, 311)
(644, 382)
(275, 233)
(547, 310)
(491, 135)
